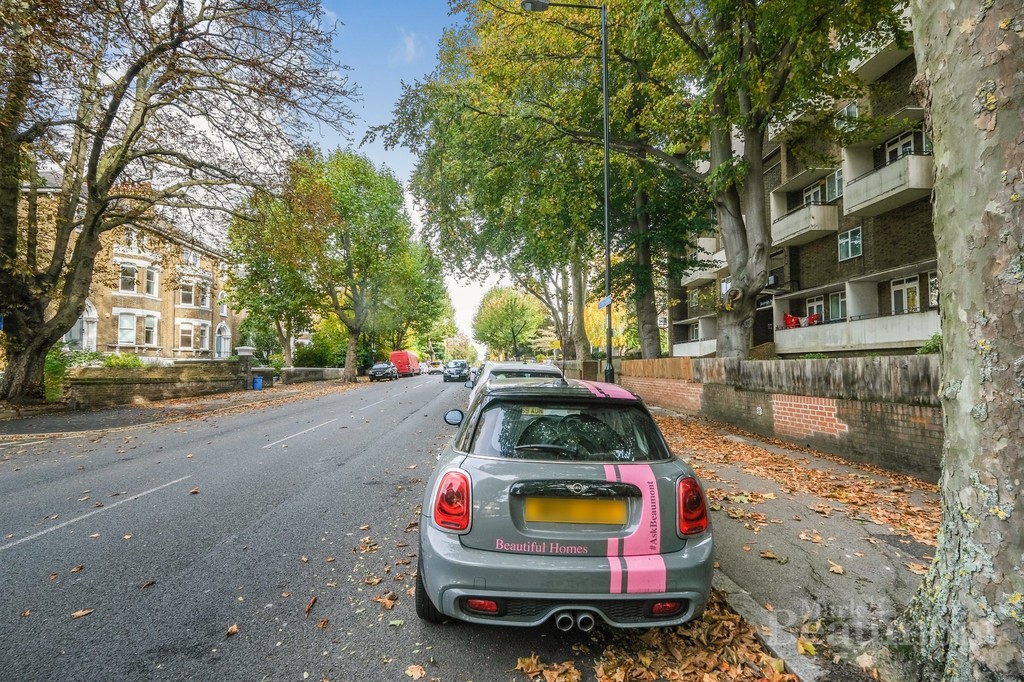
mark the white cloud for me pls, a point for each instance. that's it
(408, 49)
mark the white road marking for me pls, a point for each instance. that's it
(85, 516)
(366, 407)
(312, 428)
(18, 442)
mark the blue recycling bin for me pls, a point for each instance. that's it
(257, 383)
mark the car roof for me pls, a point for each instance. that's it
(554, 388)
(524, 367)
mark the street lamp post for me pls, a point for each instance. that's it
(541, 6)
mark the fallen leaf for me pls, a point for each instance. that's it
(128, 536)
(396, 623)
(747, 548)
(94, 535)
(54, 576)
(833, 567)
(148, 584)
(416, 672)
(323, 623)
(304, 559)
(194, 491)
(917, 569)
(768, 555)
(865, 661)
(768, 607)
(233, 630)
(372, 580)
(309, 606)
(286, 594)
(387, 600)
(188, 456)
(26, 613)
(411, 466)
(805, 647)
(82, 612)
(365, 526)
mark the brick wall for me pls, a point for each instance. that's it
(905, 437)
(91, 387)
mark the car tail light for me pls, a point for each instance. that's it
(693, 510)
(482, 605)
(451, 506)
(663, 609)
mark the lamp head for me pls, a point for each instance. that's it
(534, 5)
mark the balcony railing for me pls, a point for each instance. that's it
(695, 349)
(908, 330)
(805, 224)
(706, 274)
(895, 184)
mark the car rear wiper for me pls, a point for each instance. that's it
(572, 451)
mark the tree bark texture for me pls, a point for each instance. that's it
(579, 297)
(646, 305)
(967, 620)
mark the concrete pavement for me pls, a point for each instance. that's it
(809, 549)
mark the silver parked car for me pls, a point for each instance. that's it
(561, 500)
(511, 370)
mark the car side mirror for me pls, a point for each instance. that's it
(469, 384)
(454, 417)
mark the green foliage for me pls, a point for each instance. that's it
(259, 332)
(123, 360)
(932, 345)
(276, 361)
(54, 370)
(507, 321)
(813, 356)
(317, 356)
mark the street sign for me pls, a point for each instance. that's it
(604, 302)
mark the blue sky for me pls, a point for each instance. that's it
(386, 42)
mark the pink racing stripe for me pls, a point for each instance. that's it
(644, 566)
(646, 574)
(603, 390)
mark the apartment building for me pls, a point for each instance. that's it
(166, 300)
(853, 259)
(156, 293)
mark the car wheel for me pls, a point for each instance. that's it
(425, 608)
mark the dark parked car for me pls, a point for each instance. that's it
(382, 371)
(456, 370)
(560, 500)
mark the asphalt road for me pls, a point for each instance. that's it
(169, 535)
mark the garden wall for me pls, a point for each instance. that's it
(298, 375)
(90, 387)
(882, 411)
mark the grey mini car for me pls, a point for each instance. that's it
(561, 500)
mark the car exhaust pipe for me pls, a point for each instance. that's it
(564, 621)
(584, 621)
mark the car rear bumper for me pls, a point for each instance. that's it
(532, 588)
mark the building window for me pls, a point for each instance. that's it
(694, 332)
(693, 301)
(152, 282)
(837, 305)
(899, 146)
(204, 295)
(843, 116)
(190, 257)
(905, 295)
(222, 299)
(150, 331)
(128, 278)
(188, 295)
(222, 348)
(724, 285)
(834, 185)
(812, 194)
(185, 335)
(204, 338)
(933, 289)
(126, 328)
(850, 244)
(816, 306)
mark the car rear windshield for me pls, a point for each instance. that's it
(523, 373)
(585, 432)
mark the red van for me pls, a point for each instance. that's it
(406, 361)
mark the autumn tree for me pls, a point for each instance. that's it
(146, 110)
(507, 321)
(967, 620)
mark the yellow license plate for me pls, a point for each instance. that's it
(571, 510)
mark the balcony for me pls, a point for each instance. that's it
(716, 263)
(695, 349)
(901, 182)
(873, 333)
(805, 224)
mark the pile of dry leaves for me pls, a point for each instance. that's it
(881, 496)
(720, 647)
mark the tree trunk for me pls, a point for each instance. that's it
(578, 328)
(646, 305)
(676, 309)
(967, 620)
(351, 371)
(23, 380)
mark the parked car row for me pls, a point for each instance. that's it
(559, 500)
